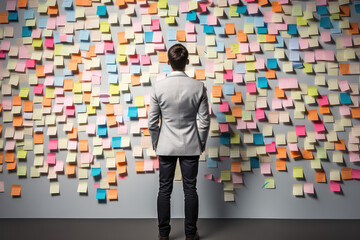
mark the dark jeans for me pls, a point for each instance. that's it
(189, 170)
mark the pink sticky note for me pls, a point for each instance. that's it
(61, 20)
(148, 165)
(191, 37)
(109, 46)
(156, 163)
(106, 143)
(224, 106)
(38, 89)
(224, 127)
(355, 173)
(320, 136)
(159, 46)
(265, 168)
(309, 57)
(49, 42)
(238, 78)
(137, 26)
(323, 100)
(20, 66)
(157, 37)
(309, 188)
(354, 156)
(145, 59)
(208, 176)
(344, 85)
(51, 158)
(243, 47)
(49, 67)
(287, 102)
(5, 45)
(251, 124)
(300, 130)
(190, 27)
(240, 124)
(7, 104)
(53, 144)
(319, 126)
(203, 6)
(268, 16)
(236, 177)
(11, 5)
(325, 36)
(96, 185)
(72, 144)
(184, 6)
(124, 68)
(272, 28)
(59, 166)
(321, 2)
(259, 114)
(91, 128)
(51, 23)
(344, 110)
(63, 37)
(303, 43)
(292, 146)
(251, 87)
(155, 25)
(252, 8)
(217, 179)
(276, 103)
(122, 129)
(99, 48)
(254, 46)
(288, 83)
(271, 148)
(1, 186)
(211, 19)
(347, 41)
(30, 63)
(228, 74)
(335, 186)
(135, 58)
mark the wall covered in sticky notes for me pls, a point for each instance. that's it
(283, 86)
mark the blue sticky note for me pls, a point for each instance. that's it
(241, 9)
(84, 46)
(294, 43)
(294, 56)
(70, 15)
(100, 193)
(13, 16)
(220, 46)
(67, 4)
(220, 117)
(111, 68)
(279, 42)
(209, 29)
(325, 22)
(321, 10)
(249, 19)
(202, 19)
(225, 138)
(132, 111)
(110, 58)
(95, 172)
(271, 63)
(127, 97)
(229, 89)
(166, 67)
(211, 162)
(219, 29)
(357, 8)
(345, 98)
(148, 37)
(80, 108)
(171, 34)
(239, 68)
(262, 30)
(101, 10)
(292, 29)
(116, 142)
(56, 36)
(113, 78)
(262, 82)
(258, 139)
(26, 31)
(335, 28)
(29, 13)
(135, 69)
(297, 65)
(268, 140)
(59, 81)
(102, 130)
(259, 21)
(69, 38)
(66, 71)
(191, 16)
(84, 35)
(254, 162)
(43, 22)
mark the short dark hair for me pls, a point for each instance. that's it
(178, 55)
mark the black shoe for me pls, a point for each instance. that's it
(196, 237)
(163, 238)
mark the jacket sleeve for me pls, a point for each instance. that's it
(153, 118)
(204, 118)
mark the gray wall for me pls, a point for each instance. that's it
(137, 194)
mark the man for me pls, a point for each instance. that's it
(178, 99)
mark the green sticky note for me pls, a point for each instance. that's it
(232, 11)
(321, 153)
(225, 175)
(235, 138)
(234, 48)
(21, 169)
(21, 154)
(312, 91)
(307, 68)
(246, 115)
(229, 117)
(269, 182)
(298, 172)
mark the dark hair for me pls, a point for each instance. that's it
(178, 56)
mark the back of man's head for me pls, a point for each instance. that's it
(178, 56)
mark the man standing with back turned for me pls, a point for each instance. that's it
(178, 99)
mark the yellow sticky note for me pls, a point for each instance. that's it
(232, 11)
(250, 66)
(307, 68)
(312, 91)
(21, 154)
(162, 4)
(114, 89)
(139, 101)
(298, 172)
(37, 42)
(50, 92)
(234, 48)
(90, 109)
(77, 87)
(24, 92)
(170, 20)
(57, 49)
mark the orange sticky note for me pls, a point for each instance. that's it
(320, 176)
(229, 28)
(163, 57)
(235, 166)
(139, 166)
(153, 9)
(180, 35)
(73, 65)
(237, 111)
(68, 84)
(84, 3)
(120, 157)
(279, 93)
(9, 157)
(340, 145)
(40, 71)
(16, 101)
(120, 3)
(200, 74)
(230, 55)
(324, 109)
(1, 157)
(113, 194)
(111, 177)
(111, 120)
(109, 109)
(281, 152)
(307, 154)
(346, 173)
(73, 134)
(216, 91)
(87, 97)
(53, 10)
(354, 28)
(70, 169)
(28, 106)
(262, 2)
(11, 166)
(16, 190)
(241, 37)
(345, 11)
(276, 7)
(295, 154)
(270, 74)
(17, 121)
(236, 98)
(4, 17)
(38, 138)
(83, 146)
(121, 168)
(121, 38)
(313, 115)
(135, 80)
(280, 165)
(344, 68)
(355, 112)
(270, 38)
(146, 132)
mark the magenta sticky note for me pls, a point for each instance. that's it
(323, 100)
(49, 42)
(224, 106)
(208, 176)
(335, 186)
(355, 173)
(217, 179)
(53, 144)
(155, 25)
(309, 188)
(30, 63)
(271, 148)
(228, 74)
(51, 158)
(203, 6)
(259, 114)
(300, 130)
(251, 87)
(319, 126)
(38, 89)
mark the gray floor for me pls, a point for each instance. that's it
(210, 229)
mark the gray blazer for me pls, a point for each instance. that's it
(178, 99)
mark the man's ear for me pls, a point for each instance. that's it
(168, 62)
(187, 61)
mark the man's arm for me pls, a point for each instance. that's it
(153, 118)
(204, 119)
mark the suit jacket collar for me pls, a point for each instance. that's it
(177, 74)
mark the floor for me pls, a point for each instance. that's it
(210, 229)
